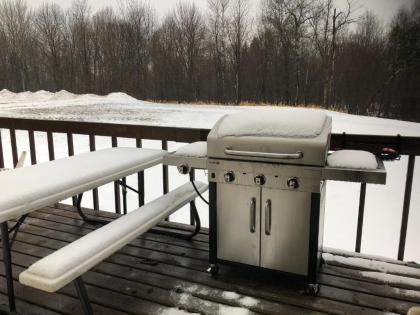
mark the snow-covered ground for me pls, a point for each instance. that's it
(383, 203)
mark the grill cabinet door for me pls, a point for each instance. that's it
(285, 224)
(238, 223)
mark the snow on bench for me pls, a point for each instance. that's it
(68, 263)
(30, 188)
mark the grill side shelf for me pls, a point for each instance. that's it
(377, 176)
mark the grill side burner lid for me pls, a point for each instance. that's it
(289, 136)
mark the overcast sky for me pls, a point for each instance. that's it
(384, 9)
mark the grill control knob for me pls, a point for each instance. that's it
(293, 183)
(229, 177)
(259, 180)
(183, 169)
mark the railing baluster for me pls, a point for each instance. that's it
(32, 146)
(192, 178)
(124, 194)
(406, 206)
(360, 217)
(165, 170)
(14, 146)
(114, 141)
(140, 179)
(70, 150)
(92, 147)
(50, 140)
(165, 173)
(1, 153)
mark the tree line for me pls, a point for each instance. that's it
(294, 52)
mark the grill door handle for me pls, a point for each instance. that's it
(268, 217)
(252, 215)
(287, 156)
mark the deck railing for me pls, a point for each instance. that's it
(409, 146)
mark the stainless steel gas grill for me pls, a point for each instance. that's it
(267, 172)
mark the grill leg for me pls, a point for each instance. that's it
(83, 296)
(7, 259)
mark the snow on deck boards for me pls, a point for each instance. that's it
(158, 274)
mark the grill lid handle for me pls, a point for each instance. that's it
(252, 215)
(268, 217)
(288, 156)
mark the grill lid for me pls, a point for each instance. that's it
(292, 136)
(285, 123)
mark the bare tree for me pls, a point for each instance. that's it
(327, 22)
(299, 12)
(238, 33)
(190, 35)
(50, 22)
(79, 40)
(106, 51)
(17, 31)
(138, 23)
(218, 27)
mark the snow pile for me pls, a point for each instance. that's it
(48, 98)
(229, 295)
(349, 253)
(175, 311)
(415, 310)
(288, 123)
(394, 280)
(353, 159)
(120, 96)
(246, 301)
(370, 264)
(196, 149)
(6, 94)
(63, 95)
(42, 95)
(231, 310)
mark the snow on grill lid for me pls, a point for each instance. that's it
(286, 123)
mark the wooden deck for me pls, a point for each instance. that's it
(158, 274)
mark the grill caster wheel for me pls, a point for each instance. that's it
(213, 270)
(312, 289)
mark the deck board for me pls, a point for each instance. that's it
(156, 274)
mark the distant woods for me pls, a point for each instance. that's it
(295, 52)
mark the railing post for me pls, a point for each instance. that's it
(92, 147)
(114, 141)
(32, 147)
(360, 217)
(165, 170)
(50, 140)
(406, 205)
(14, 146)
(165, 173)
(70, 150)
(140, 179)
(1, 153)
(192, 178)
